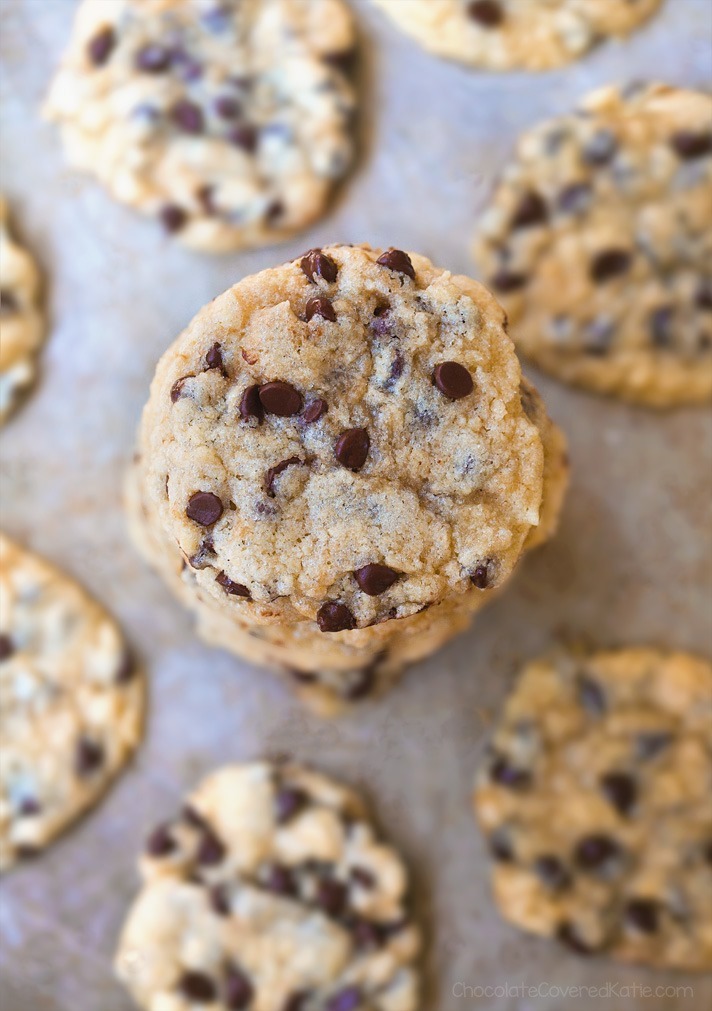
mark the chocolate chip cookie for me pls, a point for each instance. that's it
(596, 800)
(229, 121)
(21, 321)
(270, 889)
(71, 702)
(508, 34)
(599, 244)
(335, 448)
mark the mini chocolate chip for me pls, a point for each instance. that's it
(651, 744)
(153, 58)
(187, 116)
(101, 46)
(643, 914)
(280, 398)
(396, 259)
(238, 988)
(508, 775)
(351, 448)
(231, 587)
(363, 683)
(8, 302)
(250, 404)
(205, 554)
(500, 846)
(296, 1001)
(227, 107)
(331, 896)
(210, 850)
(552, 872)
(703, 297)
(219, 900)
(320, 307)
(89, 757)
(274, 211)
(313, 411)
(342, 60)
(347, 999)
(366, 934)
(487, 13)
(213, 359)
(244, 136)
(334, 617)
(288, 802)
(173, 217)
(29, 807)
(278, 469)
(304, 677)
(591, 696)
(620, 789)
(197, 986)
(375, 578)
(609, 263)
(453, 380)
(382, 322)
(6, 647)
(204, 508)
(570, 938)
(315, 264)
(660, 322)
(600, 148)
(205, 195)
(177, 388)
(506, 280)
(363, 877)
(26, 852)
(575, 198)
(126, 669)
(280, 880)
(480, 576)
(593, 851)
(160, 842)
(690, 144)
(531, 210)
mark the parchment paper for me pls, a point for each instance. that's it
(632, 563)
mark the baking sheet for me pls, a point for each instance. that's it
(632, 563)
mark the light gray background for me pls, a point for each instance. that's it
(632, 563)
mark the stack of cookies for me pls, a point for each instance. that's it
(340, 463)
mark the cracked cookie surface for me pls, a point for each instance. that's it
(21, 322)
(228, 121)
(509, 34)
(599, 244)
(71, 702)
(597, 804)
(270, 890)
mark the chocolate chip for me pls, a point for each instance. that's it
(296, 1001)
(89, 757)
(703, 297)
(250, 404)
(362, 685)
(274, 211)
(347, 999)
(319, 307)
(205, 195)
(551, 871)
(6, 647)
(289, 801)
(238, 988)
(342, 60)
(280, 398)
(194, 818)
(153, 59)
(453, 380)
(313, 411)
(29, 807)
(8, 302)
(244, 136)
(315, 264)
(280, 880)
(530, 211)
(570, 938)
(375, 578)
(600, 148)
(505, 774)
(351, 448)
(690, 144)
(213, 359)
(187, 116)
(620, 789)
(480, 576)
(231, 587)
(278, 469)
(396, 259)
(661, 328)
(160, 842)
(204, 508)
(500, 846)
(197, 986)
(331, 896)
(334, 617)
(366, 934)
(506, 280)
(575, 198)
(651, 744)
(396, 371)
(643, 914)
(487, 13)
(210, 850)
(593, 851)
(609, 263)
(591, 696)
(219, 900)
(126, 670)
(382, 322)
(205, 554)
(101, 46)
(177, 388)
(363, 877)
(227, 107)
(173, 217)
